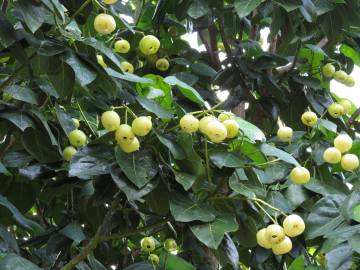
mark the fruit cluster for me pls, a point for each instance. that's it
(216, 129)
(148, 245)
(341, 76)
(77, 138)
(277, 238)
(334, 155)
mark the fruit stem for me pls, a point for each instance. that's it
(269, 205)
(208, 110)
(131, 112)
(85, 119)
(126, 112)
(81, 8)
(263, 209)
(207, 162)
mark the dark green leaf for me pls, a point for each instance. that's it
(269, 150)
(175, 149)
(244, 7)
(339, 258)
(185, 89)
(223, 158)
(74, 232)
(15, 262)
(252, 132)
(154, 107)
(82, 73)
(185, 179)
(19, 119)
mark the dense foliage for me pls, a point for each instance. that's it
(210, 195)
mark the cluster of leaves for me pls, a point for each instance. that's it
(92, 213)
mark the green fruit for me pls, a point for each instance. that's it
(262, 239)
(332, 155)
(350, 162)
(162, 64)
(274, 233)
(293, 225)
(131, 147)
(124, 135)
(127, 67)
(100, 60)
(154, 259)
(349, 81)
(76, 122)
(203, 124)
(300, 175)
(109, 2)
(141, 126)
(104, 23)
(225, 116)
(122, 46)
(69, 152)
(343, 143)
(346, 104)
(148, 244)
(216, 131)
(309, 119)
(336, 110)
(285, 134)
(340, 76)
(283, 247)
(149, 45)
(110, 120)
(328, 70)
(232, 128)
(189, 123)
(77, 138)
(170, 245)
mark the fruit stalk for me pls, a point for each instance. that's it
(86, 121)
(81, 8)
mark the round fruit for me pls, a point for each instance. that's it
(104, 23)
(69, 152)
(283, 247)
(300, 175)
(100, 60)
(77, 138)
(340, 76)
(274, 233)
(203, 124)
(293, 225)
(262, 240)
(141, 126)
(309, 119)
(350, 162)
(336, 110)
(332, 155)
(124, 135)
(216, 131)
(154, 259)
(170, 245)
(110, 120)
(328, 70)
(76, 122)
(346, 104)
(131, 147)
(285, 134)
(127, 67)
(162, 64)
(232, 128)
(343, 143)
(225, 116)
(109, 2)
(189, 123)
(148, 244)
(122, 46)
(149, 45)
(349, 81)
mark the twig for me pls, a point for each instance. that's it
(81, 8)
(4, 6)
(353, 117)
(223, 37)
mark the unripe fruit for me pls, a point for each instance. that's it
(285, 246)
(110, 120)
(170, 245)
(332, 155)
(162, 64)
(225, 116)
(232, 128)
(309, 119)
(328, 70)
(154, 259)
(343, 143)
(148, 244)
(262, 240)
(216, 131)
(76, 122)
(104, 23)
(274, 233)
(100, 60)
(109, 2)
(69, 152)
(340, 76)
(141, 126)
(131, 147)
(350, 162)
(124, 135)
(349, 81)
(336, 110)
(346, 104)
(293, 225)
(77, 138)
(127, 67)
(203, 124)
(189, 123)
(300, 175)
(149, 45)
(285, 134)
(122, 46)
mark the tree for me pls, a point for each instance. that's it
(194, 199)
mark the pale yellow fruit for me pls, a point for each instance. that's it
(332, 155)
(309, 119)
(293, 225)
(170, 245)
(225, 116)
(262, 240)
(110, 120)
(141, 126)
(154, 259)
(100, 60)
(133, 146)
(340, 76)
(300, 175)
(336, 110)
(232, 128)
(104, 23)
(203, 124)
(343, 143)
(76, 122)
(69, 152)
(328, 70)
(216, 131)
(124, 134)
(162, 64)
(77, 138)
(148, 244)
(189, 123)
(149, 45)
(346, 104)
(109, 2)
(285, 134)
(274, 233)
(349, 81)
(350, 162)
(127, 67)
(285, 246)
(122, 46)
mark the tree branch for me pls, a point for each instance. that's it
(4, 6)
(223, 37)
